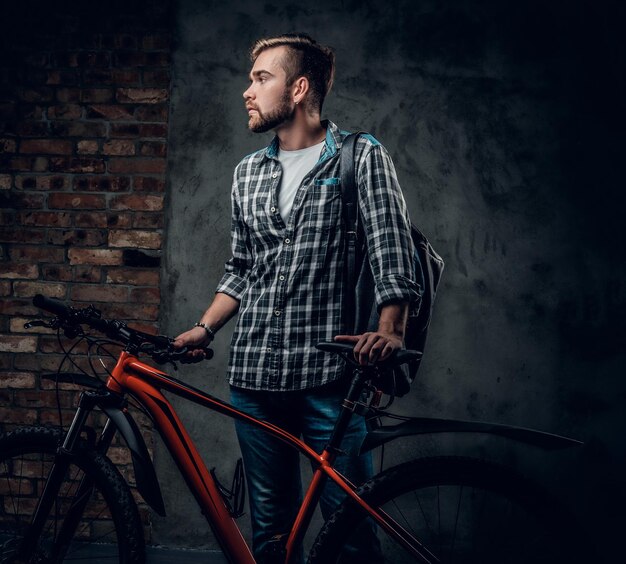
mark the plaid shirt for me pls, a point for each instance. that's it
(289, 278)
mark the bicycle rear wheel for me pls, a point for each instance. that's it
(107, 527)
(464, 511)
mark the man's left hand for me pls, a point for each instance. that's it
(372, 346)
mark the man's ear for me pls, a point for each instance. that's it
(300, 89)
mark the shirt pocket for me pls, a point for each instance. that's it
(323, 205)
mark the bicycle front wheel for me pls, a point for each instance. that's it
(462, 511)
(93, 515)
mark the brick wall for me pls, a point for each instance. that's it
(83, 143)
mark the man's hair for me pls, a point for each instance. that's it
(304, 57)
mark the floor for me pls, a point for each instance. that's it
(171, 556)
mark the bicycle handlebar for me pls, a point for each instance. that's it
(159, 347)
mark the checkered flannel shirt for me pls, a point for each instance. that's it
(289, 278)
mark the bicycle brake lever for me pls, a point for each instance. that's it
(52, 324)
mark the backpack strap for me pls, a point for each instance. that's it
(350, 210)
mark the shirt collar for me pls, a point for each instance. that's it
(331, 145)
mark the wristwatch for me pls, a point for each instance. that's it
(208, 330)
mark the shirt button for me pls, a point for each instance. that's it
(275, 175)
(277, 312)
(273, 209)
(281, 277)
(269, 349)
(287, 241)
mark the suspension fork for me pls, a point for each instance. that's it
(61, 463)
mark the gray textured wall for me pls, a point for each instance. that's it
(503, 123)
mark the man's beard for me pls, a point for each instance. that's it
(284, 112)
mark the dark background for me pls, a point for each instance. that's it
(505, 121)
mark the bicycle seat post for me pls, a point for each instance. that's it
(348, 407)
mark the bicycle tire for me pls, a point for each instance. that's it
(109, 528)
(441, 502)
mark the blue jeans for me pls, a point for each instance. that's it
(273, 467)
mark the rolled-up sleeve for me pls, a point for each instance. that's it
(387, 228)
(236, 269)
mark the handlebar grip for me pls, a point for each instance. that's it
(53, 306)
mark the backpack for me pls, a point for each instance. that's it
(360, 313)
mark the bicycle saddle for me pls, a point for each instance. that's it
(398, 358)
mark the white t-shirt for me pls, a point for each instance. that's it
(296, 165)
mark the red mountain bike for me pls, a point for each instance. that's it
(61, 497)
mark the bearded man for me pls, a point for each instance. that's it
(285, 281)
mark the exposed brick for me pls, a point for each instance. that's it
(46, 146)
(156, 78)
(102, 183)
(20, 200)
(98, 77)
(153, 149)
(95, 256)
(7, 146)
(42, 182)
(124, 76)
(133, 277)
(43, 94)
(119, 220)
(145, 295)
(68, 95)
(136, 165)
(137, 202)
(110, 112)
(57, 272)
(148, 220)
(87, 273)
(37, 399)
(96, 95)
(76, 201)
(125, 41)
(87, 147)
(17, 307)
(153, 131)
(32, 129)
(21, 235)
(5, 289)
(141, 95)
(148, 184)
(78, 129)
(14, 271)
(141, 312)
(6, 181)
(18, 344)
(29, 289)
(30, 111)
(51, 345)
(36, 253)
(51, 219)
(119, 147)
(29, 164)
(65, 111)
(135, 239)
(125, 130)
(16, 415)
(104, 293)
(84, 165)
(65, 77)
(77, 237)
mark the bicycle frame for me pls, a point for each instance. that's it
(146, 384)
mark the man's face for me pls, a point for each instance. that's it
(268, 99)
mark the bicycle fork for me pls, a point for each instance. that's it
(62, 460)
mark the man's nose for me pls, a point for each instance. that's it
(247, 93)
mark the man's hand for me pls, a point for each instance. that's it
(372, 346)
(196, 338)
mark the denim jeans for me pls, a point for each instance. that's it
(273, 470)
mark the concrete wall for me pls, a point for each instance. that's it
(503, 122)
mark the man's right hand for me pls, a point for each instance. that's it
(196, 338)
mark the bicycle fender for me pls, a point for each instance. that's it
(145, 475)
(427, 425)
